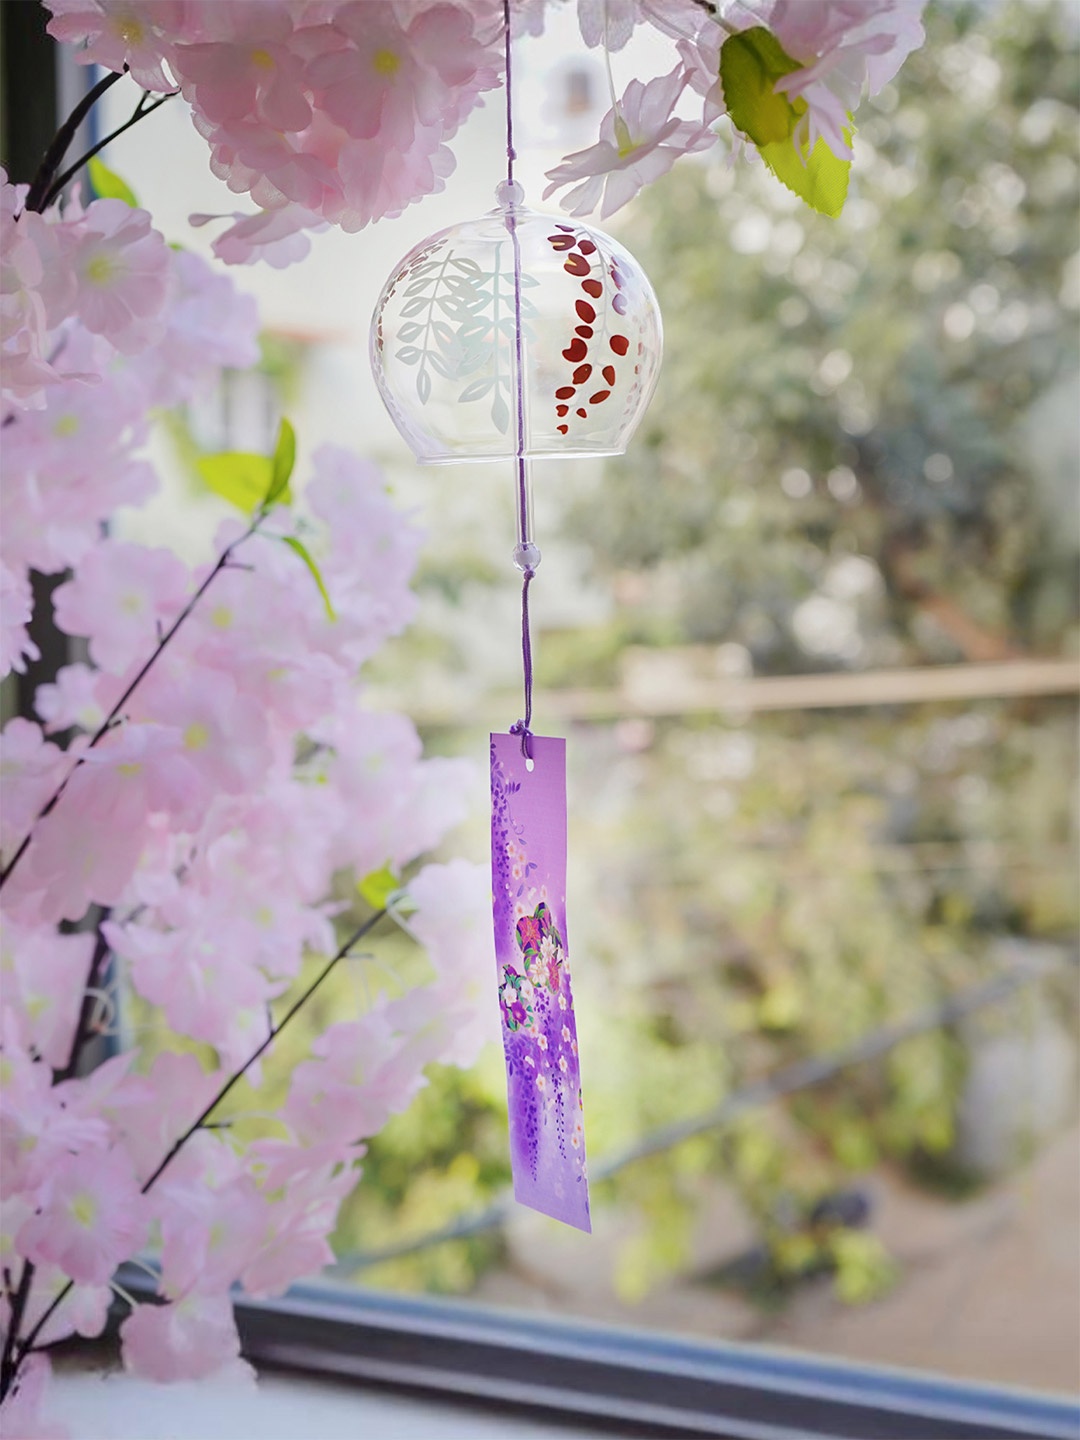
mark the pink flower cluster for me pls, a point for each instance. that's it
(100, 323)
(340, 111)
(322, 110)
(844, 47)
(214, 823)
(847, 48)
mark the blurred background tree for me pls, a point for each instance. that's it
(863, 453)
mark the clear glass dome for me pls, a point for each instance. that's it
(444, 351)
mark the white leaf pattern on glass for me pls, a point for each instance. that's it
(461, 325)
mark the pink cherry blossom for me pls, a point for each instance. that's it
(844, 48)
(363, 1071)
(184, 1339)
(120, 33)
(89, 1216)
(149, 1111)
(85, 1309)
(640, 140)
(16, 608)
(38, 1125)
(121, 266)
(277, 236)
(296, 1240)
(119, 597)
(133, 773)
(210, 326)
(210, 1234)
(21, 1415)
(380, 184)
(392, 78)
(31, 768)
(49, 971)
(23, 327)
(607, 22)
(256, 76)
(224, 739)
(200, 975)
(369, 552)
(79, 697)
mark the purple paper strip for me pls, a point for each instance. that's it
(543, 1077)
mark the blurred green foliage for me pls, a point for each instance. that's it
(861, 454)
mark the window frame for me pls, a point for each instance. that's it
(616, 1379)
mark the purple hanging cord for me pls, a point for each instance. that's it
(524, 540)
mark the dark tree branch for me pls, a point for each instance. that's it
(114, 714)
(54, 156)
(15, 1350)
(10, 1360)
(89, 1003)
(274, 1032)
(140, 112)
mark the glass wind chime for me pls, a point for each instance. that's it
(520, 337)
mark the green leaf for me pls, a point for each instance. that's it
(283, 462)
(239, 477)
(301, 549)
(820, 178)
(108, 185)
(751, 62)
(379, 886)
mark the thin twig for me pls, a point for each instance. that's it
(140, 112)
(274, 1032)
(89, 1005)
(114, 713)
(24, 1347)
(9, 1361)
(713, 12)
(54, 155)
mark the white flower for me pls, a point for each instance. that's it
(640, 140)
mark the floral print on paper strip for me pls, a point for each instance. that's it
(547, 1136)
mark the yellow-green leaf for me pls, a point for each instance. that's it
(301, 549)
(820, 178)
(377, 888)
(282, 467)
(751, 62)
(239, 477)
(107, 185)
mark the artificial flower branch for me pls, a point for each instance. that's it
(15, 1350)
(142, 109)
(42, 184)
(713, 11)
(116, 712)
(98, 961)
(9, 1361)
